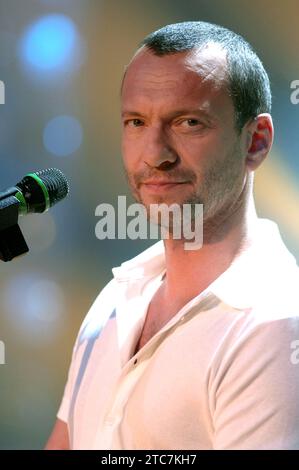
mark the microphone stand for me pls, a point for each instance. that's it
(12, 242)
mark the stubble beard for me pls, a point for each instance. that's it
(221, 194)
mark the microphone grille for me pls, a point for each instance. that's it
(55, 182)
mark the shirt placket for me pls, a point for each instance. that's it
(130, 374)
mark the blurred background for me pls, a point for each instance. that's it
(62, 62)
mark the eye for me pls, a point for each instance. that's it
(133, 122)
(192, 122)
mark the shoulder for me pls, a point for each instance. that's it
(279, 299)
(101, 311)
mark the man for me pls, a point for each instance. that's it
(191, 349)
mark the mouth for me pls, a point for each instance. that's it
(162, 186)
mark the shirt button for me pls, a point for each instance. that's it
(109, 421)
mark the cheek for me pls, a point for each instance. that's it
(130, 151)
(200, 153)
(126, 155)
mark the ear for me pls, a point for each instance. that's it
(259, 139)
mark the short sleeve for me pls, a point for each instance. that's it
(63, 411)
(93, 322)
(256, 399)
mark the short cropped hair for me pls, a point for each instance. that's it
(247, 80)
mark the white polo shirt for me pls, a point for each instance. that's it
(221, 374)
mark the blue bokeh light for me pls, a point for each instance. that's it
(35, 306)
(63, 135)
(50, 43)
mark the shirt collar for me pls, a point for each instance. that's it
(252, 275)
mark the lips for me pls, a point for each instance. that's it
(162, 186)
(157, 182)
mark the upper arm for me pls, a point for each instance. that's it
(59, 438)
(257, 398)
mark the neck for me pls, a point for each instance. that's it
(189, 272)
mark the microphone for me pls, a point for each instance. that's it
(36, 192)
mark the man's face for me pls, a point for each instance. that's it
(179, 126)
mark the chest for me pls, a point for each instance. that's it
(152, 325)
(158, 314)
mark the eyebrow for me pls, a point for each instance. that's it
(173, 114)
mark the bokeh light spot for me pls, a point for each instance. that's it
(35, 306)
(50, 43)
(63, 135)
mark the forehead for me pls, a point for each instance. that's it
(186, 76)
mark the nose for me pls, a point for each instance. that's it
(158, 149)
